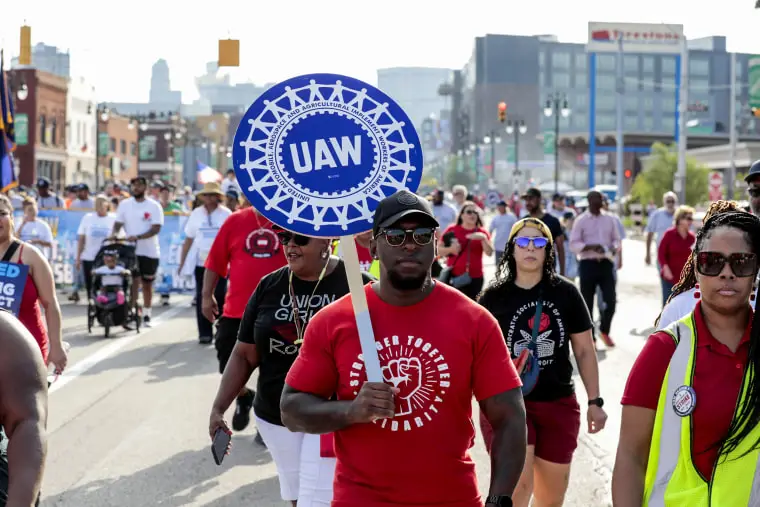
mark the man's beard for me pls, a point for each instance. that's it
(138, 195)
(399, 282)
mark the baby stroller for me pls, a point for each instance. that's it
(110, 311)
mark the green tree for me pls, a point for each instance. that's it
(455, 177)
(659, 174)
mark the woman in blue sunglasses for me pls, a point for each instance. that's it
(540, 313)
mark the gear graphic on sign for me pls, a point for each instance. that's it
(261, 137)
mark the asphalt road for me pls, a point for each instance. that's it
(128, 420)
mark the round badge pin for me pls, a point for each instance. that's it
(315, 154)
(684, 401)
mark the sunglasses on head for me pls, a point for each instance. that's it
(397, 237)
(538, 241)
(298, 239)
(712, 263)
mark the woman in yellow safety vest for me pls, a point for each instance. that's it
(690, 431)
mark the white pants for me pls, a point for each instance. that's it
(303, 474)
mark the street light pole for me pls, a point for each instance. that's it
(556, 105)
(520, 130)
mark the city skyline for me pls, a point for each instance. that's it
(118, 62)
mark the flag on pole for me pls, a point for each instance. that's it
(207, 174)
(8, 178)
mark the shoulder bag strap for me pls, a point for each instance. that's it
(467, 269)
(536, 322)
(11, 250)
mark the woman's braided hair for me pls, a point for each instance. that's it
(688, 278)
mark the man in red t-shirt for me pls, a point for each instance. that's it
(245, 250)
(405, 441)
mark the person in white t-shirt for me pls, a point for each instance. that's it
(94, 228)
(230, 182)
(142, 219)
(200, 231)
(34, 231)
(84, 200)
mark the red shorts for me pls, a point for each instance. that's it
(553, 428)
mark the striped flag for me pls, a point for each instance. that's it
(207, 174)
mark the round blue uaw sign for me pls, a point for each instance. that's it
(315, 154)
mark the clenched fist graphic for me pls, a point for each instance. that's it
(405, 374)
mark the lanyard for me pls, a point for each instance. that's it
(301, 326)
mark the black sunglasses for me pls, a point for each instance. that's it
(712, 263)
(754, 192)
(298, 239)
(397, 237)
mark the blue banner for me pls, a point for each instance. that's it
(12, 283)
(65, 224)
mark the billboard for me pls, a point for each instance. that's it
(637, 37)
(754, 84)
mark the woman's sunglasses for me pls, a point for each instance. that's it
(712, 263)
(298, 239)
(538, 241)
(397, 237)
(469, 212)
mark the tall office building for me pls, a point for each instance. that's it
(415, 89)
(160, 86)
(49, 59)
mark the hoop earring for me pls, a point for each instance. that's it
(697, 295)
(325, 254)
(752, 294)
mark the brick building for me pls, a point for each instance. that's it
(43, 152)
(117, 147)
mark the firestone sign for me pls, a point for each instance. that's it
(636, 38)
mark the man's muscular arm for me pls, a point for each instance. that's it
(505, 413)
(23, 410)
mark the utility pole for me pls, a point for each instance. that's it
(619, 152)
(680, 180)
(732, 134)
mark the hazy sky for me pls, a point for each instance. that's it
(115, 47)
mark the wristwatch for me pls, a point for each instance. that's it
(599, 402)
(499, 501)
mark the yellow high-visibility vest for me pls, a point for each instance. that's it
(671, 478)
(374, 268)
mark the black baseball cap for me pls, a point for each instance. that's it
(400, 205)
(532, 192)
(43, 183)
(754, 172)
(138, 179)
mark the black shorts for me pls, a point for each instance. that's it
(226, 336)
(147, 267)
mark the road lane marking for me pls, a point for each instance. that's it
(111, 349)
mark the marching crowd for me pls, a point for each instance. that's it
(279, 302)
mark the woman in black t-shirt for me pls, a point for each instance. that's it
(539, 313)
(269, 339)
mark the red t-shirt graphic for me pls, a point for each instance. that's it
(438, 360)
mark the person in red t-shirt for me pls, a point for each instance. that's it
(675, 249)
(245, 249)
(464, 244)
(405, 441)
(726, 265)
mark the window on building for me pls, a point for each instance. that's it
(631, 64)
(561, 80)
(648, 124)
(605, 121)
(647, 104)
(605, 62)
(113, 145)
(561, 60)
(647, 83)
(541, 59)
(580, 120)
(631, 122)
(580, 101)
(43, 129)
(54, 132)
(69, 140)
(580, 80)
(133, 149)
(668, 123)
(123, 147)
(668, 104)
(580, 61)
(668, 66)
(647, 64)
(541, 77)
(605, 102)
(631, 103)
(699, 67)
(606, 83)
(699, 85)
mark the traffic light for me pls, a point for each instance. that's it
(502, 111)
(756, 112)
(627, 174)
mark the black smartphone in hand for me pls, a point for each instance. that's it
(219, 445)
